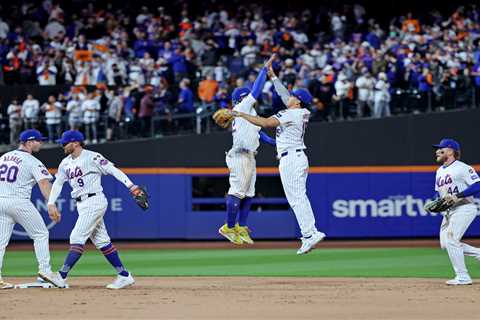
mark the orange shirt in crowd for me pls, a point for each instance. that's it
(411, 22)
(207, 90)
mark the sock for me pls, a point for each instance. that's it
(244, 211)
(75, 252)
(233, 205)
(111, 254)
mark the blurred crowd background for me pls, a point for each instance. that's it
(129, 70)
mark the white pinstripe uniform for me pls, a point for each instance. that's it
(293, 165)
(241, 157)
(19, 172)
(453, 179)
(84, 176)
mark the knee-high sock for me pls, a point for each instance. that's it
(111, 254)
(233, 205)
(244, 211)
(75, 252)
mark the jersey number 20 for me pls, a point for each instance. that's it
(8, 174)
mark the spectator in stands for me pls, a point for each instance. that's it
(115, 109)
(146, 112)
(343, 95)
(75, 113)
(53, 118)
(90, 109)
(30, 110)
(249, 53)
(185, 98)
(46, 73)
(207, 90)
(14, 112)
(365, 84)
(381, 97)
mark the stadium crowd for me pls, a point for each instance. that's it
(146, 61)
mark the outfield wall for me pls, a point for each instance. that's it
(374, 203)
(368, 179)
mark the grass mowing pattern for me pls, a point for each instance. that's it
(372, 262)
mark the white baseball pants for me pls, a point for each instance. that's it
(243, 174)
(90, 222)
(452, 230)
(23, 212)
(293, 173)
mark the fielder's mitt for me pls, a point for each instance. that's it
(140, 196)
(223, 118)
(439, 205)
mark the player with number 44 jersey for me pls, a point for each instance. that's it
(457, 182)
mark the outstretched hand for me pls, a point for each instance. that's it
(269, 67)
(53, 213)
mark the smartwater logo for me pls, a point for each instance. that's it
(391, 207)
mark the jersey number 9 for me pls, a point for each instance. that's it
(80, 182)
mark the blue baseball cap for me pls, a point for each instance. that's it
(71, 136)
(31, 135)
(303, 95)
(448, 143)
(238, 94)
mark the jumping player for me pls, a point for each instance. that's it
(241, 163)
(83, 170)
(19, 172)
(291, 124)
(457, 182)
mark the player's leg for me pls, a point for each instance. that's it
(6, 228)
(234, 196)
(102, 242)
(29, 218)
(246, 203)
(459, 222)
(90, 214)
(293, 173)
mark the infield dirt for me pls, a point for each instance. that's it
(244, 298)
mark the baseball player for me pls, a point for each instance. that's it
(458, 182)
(83, 170)
(291, 124)
(241, 163)
(19, 172)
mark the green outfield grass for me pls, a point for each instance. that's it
(397, 262)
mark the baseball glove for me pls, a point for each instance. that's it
(223, 118)
(140, 196)
(439, 205)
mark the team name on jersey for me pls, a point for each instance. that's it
(12, 158)
(442, 181)
(75, 173)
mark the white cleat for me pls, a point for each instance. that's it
(308, 244)
(54, 278)
(459, 282)
(5, 285)
(121, 282)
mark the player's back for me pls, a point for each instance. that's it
(19, 172)
(245, 135)
(291, 130)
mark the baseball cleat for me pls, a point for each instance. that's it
(244, 234)
(5, 285)
(231, 234)
(458, 282)
(121, 282)
(54, 278)
(308, 244)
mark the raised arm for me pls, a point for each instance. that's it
(279, 87)
(271, 122)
